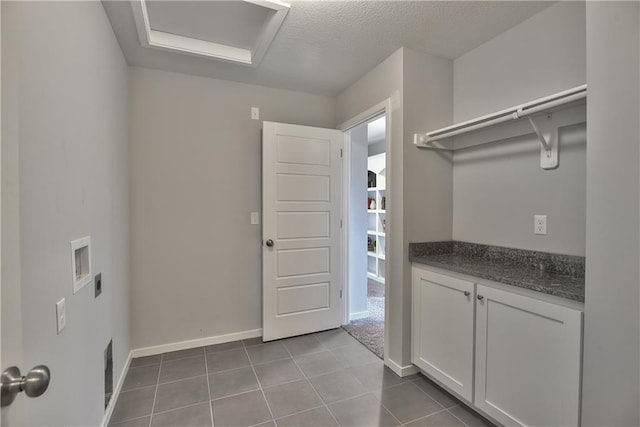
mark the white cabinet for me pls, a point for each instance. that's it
(377, 218)
(526, 366)
(443, 329)
(528, 355)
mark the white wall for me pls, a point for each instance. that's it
(68, 146)
(610, 391)
(358, 222)
(195, 178)
(502, 186)
(419, 205)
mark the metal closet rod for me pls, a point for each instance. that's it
(510, 114)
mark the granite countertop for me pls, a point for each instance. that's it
(553, 274)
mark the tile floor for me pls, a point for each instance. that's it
(322, 379)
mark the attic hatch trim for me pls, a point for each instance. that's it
(176, 43)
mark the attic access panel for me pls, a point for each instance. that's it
(232, 31)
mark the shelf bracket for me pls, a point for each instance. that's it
(547, 132)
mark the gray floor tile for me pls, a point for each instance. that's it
(355, 355)
(376, 376)
(223, 347)
(267, 424)
(278, 372)
(252, 341)
(190, 352)
(318, 363)
(304, 344)
(470, 417)
(182, 368)
(336, 386)
(287, 399)
(267, 352)
(407, 402)
(232, 382)
(335, 338)
(144, 376)
(181, 393)
(242, 410)
(363, 411)
(436, 392)
(225, 360)
(146, 360)
(318, 417)
(191, 416)
(441, 419)
(138, 422)
(133, 404)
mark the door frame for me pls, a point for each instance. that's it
(383, 107)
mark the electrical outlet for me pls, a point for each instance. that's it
(540, 224)
(255, 218)
(255, 113)
(61, 315)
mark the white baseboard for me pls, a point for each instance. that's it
(402, 371)
(183, 345)
(116, 392)
(358, 315)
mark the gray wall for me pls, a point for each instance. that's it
(501, 186)
(195, 177)
(420, 87)
(68, 119)
(358, 221)
(610, 392)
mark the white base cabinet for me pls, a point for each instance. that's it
(528, 355)
(513, 357)
(443, 329)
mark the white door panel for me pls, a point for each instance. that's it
(301, 204)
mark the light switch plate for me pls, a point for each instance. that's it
(540, 224)
(255, 218)
(255, 113)
(61, 314)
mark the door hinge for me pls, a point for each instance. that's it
(340, 293)
(340, 223)
(341, 152)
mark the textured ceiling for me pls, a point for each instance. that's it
(325, 46)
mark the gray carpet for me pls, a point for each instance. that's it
(370, 330)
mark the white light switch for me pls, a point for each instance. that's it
(255, 113)
(255, 218)
(61, 314)
(540, 224)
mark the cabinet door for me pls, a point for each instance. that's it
(443, 329)
(528, 355)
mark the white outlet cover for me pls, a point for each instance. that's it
(255, 113)
(540, 224)
(255, 218)
(61, 314)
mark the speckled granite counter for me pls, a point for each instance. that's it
(553, 274)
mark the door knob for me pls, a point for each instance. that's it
(34, 384)
(467, 293)
(480, 297)
(269, 243)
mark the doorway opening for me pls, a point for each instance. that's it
(366, 199)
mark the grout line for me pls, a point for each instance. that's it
(427, 416)
(181, 407)
(127, 420)
(457, 418)
(311, 384)
(164, 362)
(260, 385)
(264, 363)
(206, 368)
(235, 394)
(155, 395)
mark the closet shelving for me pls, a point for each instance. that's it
(543, 116)
(376, 219)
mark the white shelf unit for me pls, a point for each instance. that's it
(543, 116)
(376, 219)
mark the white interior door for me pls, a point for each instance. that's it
(301, 208)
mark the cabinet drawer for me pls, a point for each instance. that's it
(443, 317)
(528, 356)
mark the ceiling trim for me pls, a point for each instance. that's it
(177, 43)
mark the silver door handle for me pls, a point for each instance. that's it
(467, 293)
(480, 297)
(34, 384)
(269, 243)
